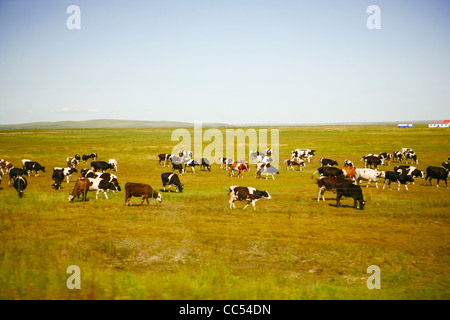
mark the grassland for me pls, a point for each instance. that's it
(192, 246)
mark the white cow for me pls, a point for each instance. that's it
(368, 174)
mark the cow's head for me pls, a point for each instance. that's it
(157, 196)
(266, 195)
(181, 187)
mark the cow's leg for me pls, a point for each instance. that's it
(338, 200)
(248, 202)
(67, 179)
(146, 198)
(143, 198)
(406, 187)
(105, 193)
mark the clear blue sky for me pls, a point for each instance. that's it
(230, 61)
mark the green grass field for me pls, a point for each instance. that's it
(192, 246)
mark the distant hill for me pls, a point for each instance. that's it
(105, 123)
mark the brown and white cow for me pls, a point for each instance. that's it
(290, 164)
(140, 190)
(240, 167)
(249, 194)
(5, 166)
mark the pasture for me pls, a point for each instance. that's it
(192, 246)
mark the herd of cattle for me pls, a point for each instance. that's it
(345, 181)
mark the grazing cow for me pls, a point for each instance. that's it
(410, 170)
(249, 194)
(164, 158)
(140, 190)
(5, 166)
(400, 178)
(386, 156)
(169, 178)
(348, 163)
(20, 184)
(328, 172)
(437, 173)
(72, 162)
(113, 163)
(204, 164)
(412, 156)
(16, 172)
(397, 156)
(92, 156)
(240, 167)
(58, 178)
(292, 163)
(347, 189)
(372, 160)
(267, 168)
(191, 164)
(100, 165)
(83, 185)
(327, 162)
(67, 172)
(178, 166)
(225, 162)
(33, 166)
(327, 184)
(367, 174)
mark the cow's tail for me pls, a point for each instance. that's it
(314, 174)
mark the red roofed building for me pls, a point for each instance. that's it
(443, 124)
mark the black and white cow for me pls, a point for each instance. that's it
(400, 178)
(204, 164)
(249, 194)
(67, 172)
(83, 185)
(437, 173)
(410, 170)
(302, 154)
(178, 166)
(101, 165)
(34, 166)
(397, 156)
(191, 163)
(16, 172)
(92, 156)
(20, 184)
(327, 162)
(411, 155)
(386, 156)
(348, 163)
(58, 178)
(170, 178)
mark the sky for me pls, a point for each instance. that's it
(225, 61)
